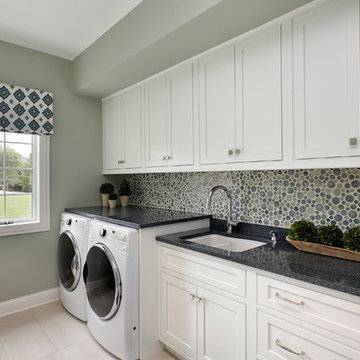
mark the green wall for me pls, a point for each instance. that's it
(28, 262)
(158, 34)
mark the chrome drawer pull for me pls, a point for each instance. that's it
(301, 303)
(278, 343)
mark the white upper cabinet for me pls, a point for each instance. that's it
(169, 111)
(180, 115)
(285, 95)
(155, 122)
(326, 81)
(122, 131)
(240, 101)
(258, 97)
(217, 106)
(131, 115)
(113, 149)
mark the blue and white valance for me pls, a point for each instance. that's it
(24, 110)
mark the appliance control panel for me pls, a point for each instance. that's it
(119, 239)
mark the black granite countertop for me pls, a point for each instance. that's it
(136, 216)
(286, 260)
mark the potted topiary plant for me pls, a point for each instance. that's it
(331, 235)
(105, 190)
(304, 231)
(124, 193)
(327, 240)
(351, 239)
(112, 200)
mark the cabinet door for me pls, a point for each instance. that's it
(222, 324)
(217, 107)
(180, 111)
(326, 78)
(178, 315)
(113, 136)
(258, 69)
(155, 122)
(131, 105)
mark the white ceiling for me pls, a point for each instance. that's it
(64, 27)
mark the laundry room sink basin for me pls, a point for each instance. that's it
(226, 243)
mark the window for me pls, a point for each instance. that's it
(24, 188)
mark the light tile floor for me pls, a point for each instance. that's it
(49, 332)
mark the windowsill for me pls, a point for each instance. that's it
(24, 228)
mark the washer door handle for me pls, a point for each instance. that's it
(75, 266)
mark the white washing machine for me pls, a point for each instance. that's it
(72, 246)
(112, 286)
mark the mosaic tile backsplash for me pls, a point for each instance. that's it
(276, 197)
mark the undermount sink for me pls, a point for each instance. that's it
(226, 243)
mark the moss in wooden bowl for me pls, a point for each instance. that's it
(331, 235)
(304, 231)
(351, 239)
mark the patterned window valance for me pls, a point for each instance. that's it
(24, 110)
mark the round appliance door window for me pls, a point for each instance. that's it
(69, 266)
(103, 283)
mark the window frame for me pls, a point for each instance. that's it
(41, 205)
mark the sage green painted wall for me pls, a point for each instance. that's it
(158, 34)
(28, 262)
(150, 21)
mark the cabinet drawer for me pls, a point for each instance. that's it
(340, 316)
(279, 340)
(221, 276)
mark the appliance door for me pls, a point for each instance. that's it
(69, 261)
(103, 282)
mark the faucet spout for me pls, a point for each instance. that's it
(228, 194)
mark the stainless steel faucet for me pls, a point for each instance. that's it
(230, 223)
(274, 238)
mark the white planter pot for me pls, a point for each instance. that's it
(112, 204)
(124, 200)
(105, 199)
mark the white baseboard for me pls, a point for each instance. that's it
(28, 301)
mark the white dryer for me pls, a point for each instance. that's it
(71, 255)
(112, 284)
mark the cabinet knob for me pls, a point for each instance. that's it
(352, 141)
(230, 152)
(237, 151)
(164, 158)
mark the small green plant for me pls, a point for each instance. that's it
(304, 231)
(331, 235)
(112, 196)
(124, 188)
(106, 188)
(351, 239)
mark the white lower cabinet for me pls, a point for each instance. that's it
(268, 319)
(221, 327)
(278, 340)
(178, 315)
(199, 323)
